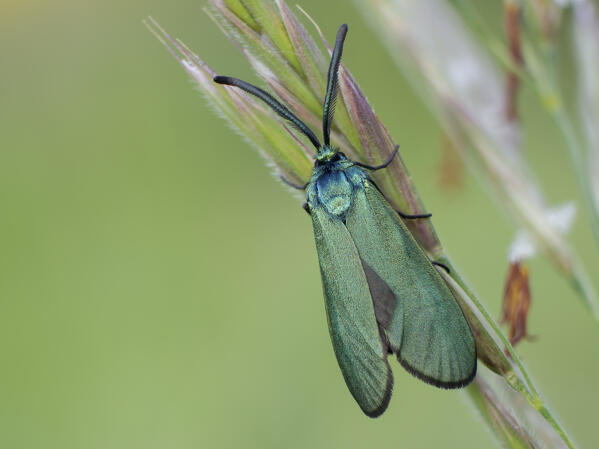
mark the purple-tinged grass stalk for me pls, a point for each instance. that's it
(509, 416)
(248, 116)
(294, 67)
(458, 80)
(297, 76)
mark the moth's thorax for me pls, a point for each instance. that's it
(332, 184)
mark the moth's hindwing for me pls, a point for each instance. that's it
(420, 316)
(354, 331)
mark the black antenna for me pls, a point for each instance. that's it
(273, 103)
(330, 98)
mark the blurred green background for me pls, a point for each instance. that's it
(160, 289)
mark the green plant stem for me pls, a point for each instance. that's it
(542, 81)
(519, 378)
(506, 427)
(584, 180)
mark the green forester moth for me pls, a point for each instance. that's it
(382, 293)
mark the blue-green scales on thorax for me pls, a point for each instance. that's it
(333, 182)
(382, 294)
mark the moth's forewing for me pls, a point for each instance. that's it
(354, 330)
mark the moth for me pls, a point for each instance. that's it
(382, 293)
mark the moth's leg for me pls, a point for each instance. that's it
(306, 208)
(439, 264)
(410, 217)
(295, 186)
(290, 184)
(383, 165)
(400, 213)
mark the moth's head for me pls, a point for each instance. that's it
(328, 154)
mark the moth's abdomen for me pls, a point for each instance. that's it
(334, 192)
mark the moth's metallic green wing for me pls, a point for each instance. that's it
(419, 314)
(350, 311)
